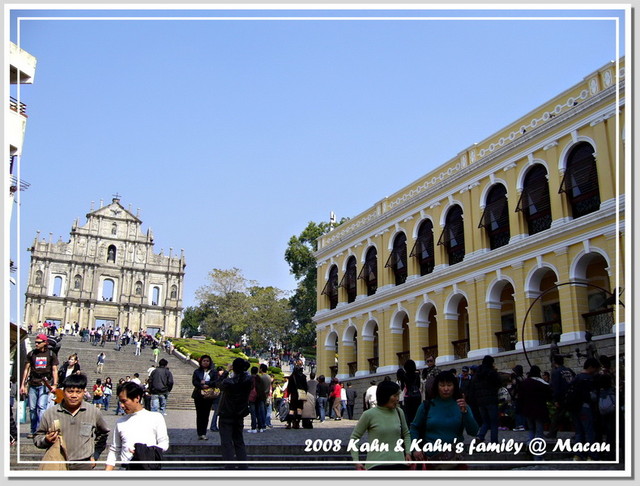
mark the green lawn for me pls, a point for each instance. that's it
(219, 353)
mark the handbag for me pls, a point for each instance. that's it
(210, 393)
(23, 411)
(57, 452)
(448, 459)
(283, 410)
(302, 394)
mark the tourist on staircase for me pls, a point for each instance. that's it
(203, 380)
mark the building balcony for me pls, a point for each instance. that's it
(460, 348)
(430, 351)
(373, 364)
(14, 184)
(353, 367)
(16, 127)
(20, 107)
(546, 331)
(22, 65)
(599, 322)
(507, 339)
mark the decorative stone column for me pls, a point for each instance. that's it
(447, 333)
(419, 336)
(605, 163)
(347, 355)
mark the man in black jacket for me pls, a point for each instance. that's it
(160, 384)
(233, 408)
(484, 389)
(583, 405)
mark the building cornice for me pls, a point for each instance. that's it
(389, 212)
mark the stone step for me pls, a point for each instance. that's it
(124, 363)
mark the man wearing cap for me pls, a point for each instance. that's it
(429, 374)
(463, 380)
(41, 367)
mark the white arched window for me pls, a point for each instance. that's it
(57, 286)
(155, 295)
(108, 287)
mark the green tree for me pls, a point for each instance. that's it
(270, 317)
(302, 264)
(223, 301)
(192, 320)
(231, 306)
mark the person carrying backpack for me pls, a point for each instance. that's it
(410, 384)
(581, 401)
(561, 377)
(234, 406)
(98, 394)
(607, 407)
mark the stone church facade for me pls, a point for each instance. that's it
(106, 274)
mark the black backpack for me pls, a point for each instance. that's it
(413, 390)
(577, 394)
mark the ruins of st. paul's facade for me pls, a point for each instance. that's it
(106, 274)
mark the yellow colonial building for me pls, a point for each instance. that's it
(516, 241)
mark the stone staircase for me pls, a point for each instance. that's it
(208, 457)
(122, 363)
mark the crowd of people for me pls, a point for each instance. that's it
(443, 405)
(428, 405)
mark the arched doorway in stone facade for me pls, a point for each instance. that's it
(397, 261)
(546, 315)
(349, 349)
(535, 202)
(400, 335)
(458, 325)
(501, 314)
(580, 181)
(331, 352)
(369, 272)
(331, 287)
(371, 345)
(108, 287)
(423, 248)
(57, 286)
(427, 327)
(593, 300)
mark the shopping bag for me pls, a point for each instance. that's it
(22, 411)
(283, 410)
(56, 452)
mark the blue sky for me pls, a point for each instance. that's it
(231, 135)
